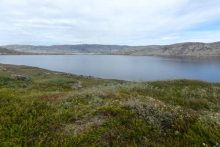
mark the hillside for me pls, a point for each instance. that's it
(45, 108)
(180, 49)
(66, 49)
(4, 51)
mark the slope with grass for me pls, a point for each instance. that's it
(46, 108)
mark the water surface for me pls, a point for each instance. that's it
(146, 68)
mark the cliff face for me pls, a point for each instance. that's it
(65, 49)
(180, 49)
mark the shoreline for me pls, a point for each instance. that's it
(183, 56)
(3, 66)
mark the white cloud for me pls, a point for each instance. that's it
(133, 22)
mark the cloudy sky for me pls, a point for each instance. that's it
(130, 22)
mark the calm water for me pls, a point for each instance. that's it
(147, 68)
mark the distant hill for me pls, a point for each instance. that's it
(4, 51)
(66, 49)
(180, 49)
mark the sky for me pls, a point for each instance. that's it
(119, 22)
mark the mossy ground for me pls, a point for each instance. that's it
(44, 108)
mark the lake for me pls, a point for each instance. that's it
(145, 68)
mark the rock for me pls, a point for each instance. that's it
(77, 85)
(80, 85)
(89, 77)
(22, 77)
(68, 75)
(47, 73)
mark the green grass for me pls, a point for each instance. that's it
(45, 108)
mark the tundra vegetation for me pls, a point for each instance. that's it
(46, 108)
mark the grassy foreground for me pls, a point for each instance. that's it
(45, 108)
